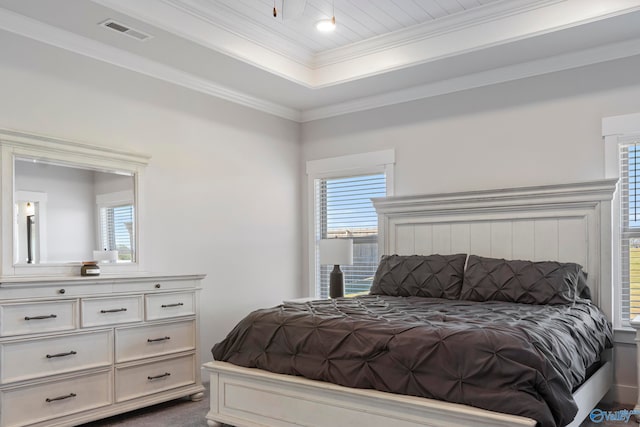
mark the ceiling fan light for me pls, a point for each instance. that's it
(326, 25)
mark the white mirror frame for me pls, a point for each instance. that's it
(20, 144)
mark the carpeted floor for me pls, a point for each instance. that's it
(185, 413)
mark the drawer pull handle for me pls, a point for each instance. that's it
(53, 399)
(166, 374)
(158, 339)
(70, 353)
(49, 316)
(113, 310)
(172, 305)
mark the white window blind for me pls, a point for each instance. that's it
(630, 230)
(344, 210)
(116, 224)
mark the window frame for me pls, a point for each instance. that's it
(338, 167)
(616, 131)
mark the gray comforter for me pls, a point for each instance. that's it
(519, 359)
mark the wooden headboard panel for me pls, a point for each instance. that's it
(568, 223)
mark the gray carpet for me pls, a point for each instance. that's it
(185, 413)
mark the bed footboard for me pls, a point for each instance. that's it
(247, 397)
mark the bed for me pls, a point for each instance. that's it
(569, 224)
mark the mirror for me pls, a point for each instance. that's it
(70, 213)
(64, 202)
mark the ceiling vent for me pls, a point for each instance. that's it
(126, 30)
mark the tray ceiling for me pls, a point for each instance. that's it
(382, 51)
(294, 32)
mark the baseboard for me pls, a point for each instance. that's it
(624, 394)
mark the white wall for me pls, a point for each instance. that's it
(542, 130)
(107, 182)
(222, 191)
(70, 209)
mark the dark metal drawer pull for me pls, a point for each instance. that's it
(48, 316)
(71, 353)
(166, 374)
(115, 310)
(53, 399)
(158, 339)
(172, 305)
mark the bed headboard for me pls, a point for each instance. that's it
(567, 223)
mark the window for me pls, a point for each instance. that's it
(621, 135)
(339, 195)
(116, 230)
(629, 188)
(344, 210)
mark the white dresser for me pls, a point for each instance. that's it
(77, 349)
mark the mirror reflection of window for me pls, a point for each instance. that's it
(116, 216)
(116, 229)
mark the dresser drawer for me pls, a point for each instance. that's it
(154, 340)
(43, 401)
(110, 311)
(58, 290)
(175, 304)
(140, 380)
(33, 358)
(156, 285)
(30, 318)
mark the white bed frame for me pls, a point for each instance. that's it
(562, 222)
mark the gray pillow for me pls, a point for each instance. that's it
(527, 282)
(435, 276)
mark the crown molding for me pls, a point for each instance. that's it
(449, 24)
(177, 18)
(486, 78)
(223, 14)
(45, 33)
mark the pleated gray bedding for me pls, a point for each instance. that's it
(520, 359)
